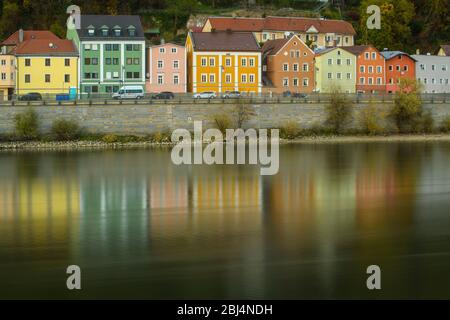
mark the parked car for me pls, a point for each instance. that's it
(294, 94)
(205, 95)
(129, 92)
(231, 94)
(164, 95)
(31, 96)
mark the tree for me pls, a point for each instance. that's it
(10, 18)
(338, 110)
(407, 109)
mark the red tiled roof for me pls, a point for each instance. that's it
(281, 24)
(224, 41)
(47, 46)
(29, 35)
(271, 47)
(357, 50)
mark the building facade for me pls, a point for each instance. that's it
(112, 53)
(45, 66)
(289, 65)
(370, 69)
(8, 60)
(399, 65)
(433, 73)
(167, 68)
(314, 32)
(223, 61)
(335, 70)
(444, 50)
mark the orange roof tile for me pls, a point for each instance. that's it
(29, 35)
(47, 47)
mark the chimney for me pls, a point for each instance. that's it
(163, 41)
(428, 54)
(417, 51)
(20, 35)
(385, 49)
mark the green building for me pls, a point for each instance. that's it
(112, 53)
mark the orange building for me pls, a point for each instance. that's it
(370, 69)
(288, 64)
(398, 65)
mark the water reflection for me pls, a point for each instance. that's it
(141, 227)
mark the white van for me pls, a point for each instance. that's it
(129, 92)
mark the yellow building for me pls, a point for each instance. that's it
(223, 61)
(46, 66)
(7, 76)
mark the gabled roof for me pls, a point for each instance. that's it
(298, 24)
(121, 21)
(392, 54)
(272, 47)
(224, 41)
(357, 50)
(324, 50)
(446, 49)
(13, 39)
(47, 47)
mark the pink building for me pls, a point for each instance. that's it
(167, 68)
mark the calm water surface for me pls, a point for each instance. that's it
(140, 227)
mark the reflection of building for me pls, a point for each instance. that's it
(168, 192)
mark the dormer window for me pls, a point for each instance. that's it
(117, 31)
(131, 31)
(91, 30)
(104, 30)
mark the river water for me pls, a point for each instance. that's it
(140, 227)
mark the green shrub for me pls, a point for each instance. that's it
(445, 125)
(290, 130)
(65, 130)
(222, 122)
(407, 109)
(160, 137)
(26, 124)
(372, 120)
(338, 110)
(110, 138)
(427, 122)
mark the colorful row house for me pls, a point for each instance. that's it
(8, 65)
(112, 52)
(288, 65)
(370, 69)
(399, 65)
(313, 31)
(223, 61)
(433, 72)
(335, 70)
(166, 68)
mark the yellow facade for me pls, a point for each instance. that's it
(46, 75)
(7, 76)
(223, 71)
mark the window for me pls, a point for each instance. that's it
(228, 62)
(366, 56)
(94, 61)
(108, 61)
(251, 62)
(27, 62)
(131, 32)
(285, 82)
(94, 75)
(204, 78)
(295, 82)
(362, 69)
(115, 61)
(47, 62)
(349, 62)
(425, 80)
(374, 55)
(136, 75)
(330, 75)
(117, 32)
(160, 64)
(87, 61)
(433, 67)
(212, 78)
(47, 78)
(361, 80)
(115, 47)
(160, 79)
(349, 75)
(330, 61)
(305, 67)
(129, 47)
(67, 78)
(203, 62)
(251, 78)
(295, 67)
(3, 76)
(264, 36)
(67, 62)
(108, 75)
(162, 50)
(285, 67)
(108, 47)
(3, 62)
(433, 81)
(243, 62)
(397, 67)
(91, 32)
(444, 67)
(292, 53)
(379, 69)
(129, 75)
(94, 47)
(115, 75)
(136, 61)
(136, 47)
(379, 80)
(212, 62)
(176, 79)
(338, 62)
(370, 80)
(244, 78)
(422, 67)
(228, 78)
(129, 61)
(305, 82)
(176, 64)
(27, 78)
(391, 68)
(297, 53)
(87, 75)
(338, 76)
(87, 47)
(105, 32)
(370, 69)
(405, 68)
(174, 50)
